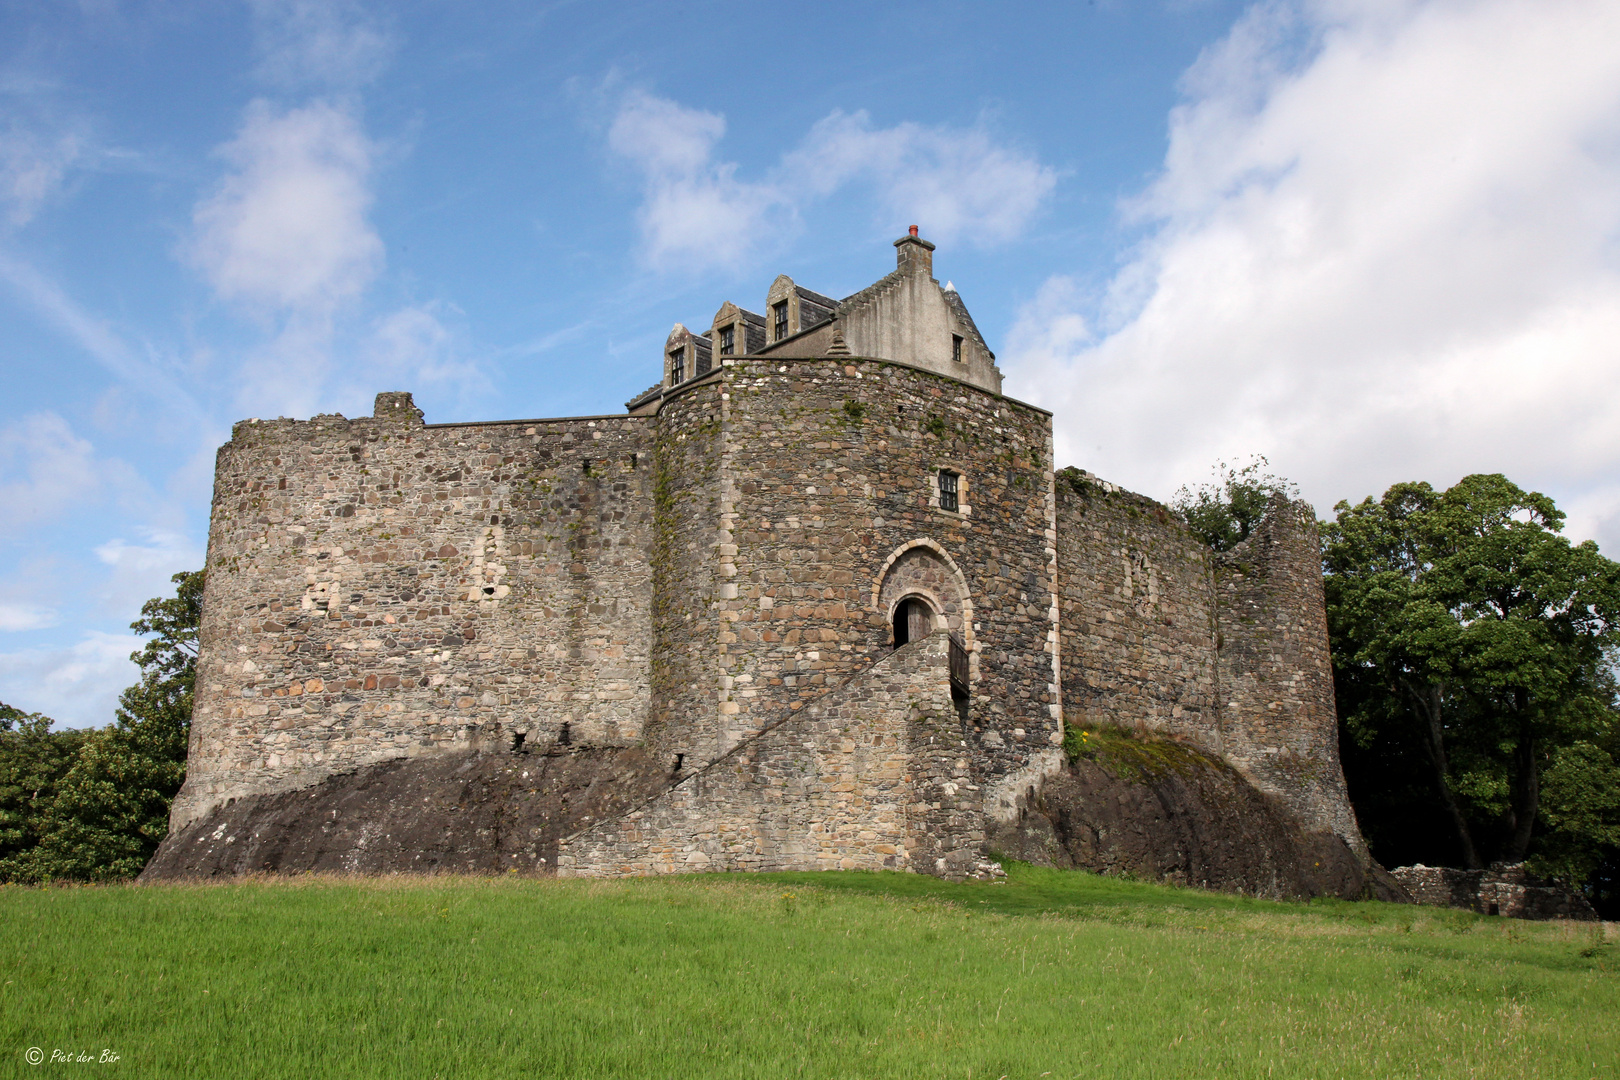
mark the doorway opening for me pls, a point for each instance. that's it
(913, 621)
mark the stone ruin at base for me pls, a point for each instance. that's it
(1506, 889)
(816, 600)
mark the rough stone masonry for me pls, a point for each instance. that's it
(817, 599)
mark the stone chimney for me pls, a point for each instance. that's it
(914, 255)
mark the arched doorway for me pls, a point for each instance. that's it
(913, 620)
(921, 590)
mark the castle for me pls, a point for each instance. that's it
(817, 599)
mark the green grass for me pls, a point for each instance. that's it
(822, 975)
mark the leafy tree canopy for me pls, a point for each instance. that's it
(1466, 628)
(1225, 512)
(109, 810)
(33, 761)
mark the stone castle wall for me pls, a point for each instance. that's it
(1138, 613)
(380, 589)
(715, 584)
(1279, 722)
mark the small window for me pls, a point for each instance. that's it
(947, 490)
(956, 347)
(780, 318)
(677, 366)
(728, 340)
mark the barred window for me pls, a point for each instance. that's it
(947, 490)
(728, 340)
(956, 347)
(677, 366)
(780, 312)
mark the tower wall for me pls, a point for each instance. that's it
(830, 472)
(688, 535)
(380, 589)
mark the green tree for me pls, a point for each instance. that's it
(1463, 622)
(1224, 513)
(112, 808)
(33, 762)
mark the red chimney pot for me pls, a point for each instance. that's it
(914, 230)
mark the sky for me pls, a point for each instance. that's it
(1372, 240)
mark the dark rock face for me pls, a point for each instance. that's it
(1165, 811)
(465, 813)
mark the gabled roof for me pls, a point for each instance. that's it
(955, 300)
(816, 298)
(893, 278)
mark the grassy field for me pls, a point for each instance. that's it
(1052, 973)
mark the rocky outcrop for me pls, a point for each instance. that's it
(465, 813)
(1164, 811)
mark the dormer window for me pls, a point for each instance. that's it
(728, 340)
(779, 320)
(956, 347)
(677, 366)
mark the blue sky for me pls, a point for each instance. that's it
(1374, 240)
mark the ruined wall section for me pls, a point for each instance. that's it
(874, 775)
(1138, 616)
(379, 589)
(834, 471)
(1227, 652)
(1276, 677)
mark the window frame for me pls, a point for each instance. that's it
(779, 320)
(677, 366)
(949, 493)
(728, 340)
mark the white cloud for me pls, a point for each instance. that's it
(413, 344)
(78, 685)
(326, 43)
(1388, 253)
(14, 617)
(142, 570)
(31, 169)
(45, 469)
(287, 229)
(695, 208)
(957, 182)
(94, 335)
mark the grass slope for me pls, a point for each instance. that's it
(1052, 973)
